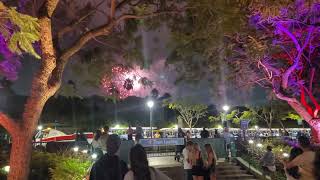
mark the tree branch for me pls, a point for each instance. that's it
(112, 9)
(313, 70)
(286, 75)
(9, 124)
(285, 98)
(73, 24)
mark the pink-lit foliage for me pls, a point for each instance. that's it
(9, 62)
(124, 81)
(291, 64)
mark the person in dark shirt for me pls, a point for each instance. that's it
(109, 166)
(204, 133)
(179, 148)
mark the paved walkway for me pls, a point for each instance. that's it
(168, 166)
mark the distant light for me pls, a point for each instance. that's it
(285, 155)
(251, 141)
(48, 128)
(94, 156)
(281, 150)
(117, 126)
(150, 103)
(6, 169)
(76, 149)
(256, 127)
(225, 108)
(40, 127)
(176, 126)
(219, 126)
(85, 151)
(259, 145)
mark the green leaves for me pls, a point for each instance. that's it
(23, 41)
(26, 32)
(292, 116)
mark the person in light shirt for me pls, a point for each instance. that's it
(187, 166)
(305, 161)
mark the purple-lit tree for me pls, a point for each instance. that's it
(58, 43)
(290, 63)
(273, 43)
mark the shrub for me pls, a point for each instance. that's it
(70, 168)
(47, 166)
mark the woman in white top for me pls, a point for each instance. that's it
(140, 169)
(95, 142)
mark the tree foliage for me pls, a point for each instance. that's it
(272, 44)
(188, 112)
(18, 33)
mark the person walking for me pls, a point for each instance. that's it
(109, 166)
(204, 133)
(293, 173)
(139, 166)
(188, 136)
(104, 138)
(198, 171)
(216, 134)
(179, 148)
(130, 133)
(96, 144)
(139, 134)
(268, 163)
(210, 163)
(187, 166)
(227, 139)
(304, 161)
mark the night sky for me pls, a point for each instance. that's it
(155, 51)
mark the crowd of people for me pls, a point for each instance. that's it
(195, 166)
(303, 162)
(110, 167)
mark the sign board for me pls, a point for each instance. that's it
(244, 124)
(161, 142)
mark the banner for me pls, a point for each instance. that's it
(161, 142)
(244, 124)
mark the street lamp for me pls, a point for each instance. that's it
(40, 127)
(225, 109)
(150, 104)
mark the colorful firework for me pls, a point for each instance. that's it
(125, 81)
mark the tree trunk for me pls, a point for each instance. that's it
(284, 129)
(20, 156)
(40, 92)
(313, 122)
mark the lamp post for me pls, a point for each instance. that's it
(225, 109)
(150, 104)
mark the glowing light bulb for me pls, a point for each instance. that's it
(285, 155)
(6, 169)
(94, 156)
(76, 149)
(259, 145)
